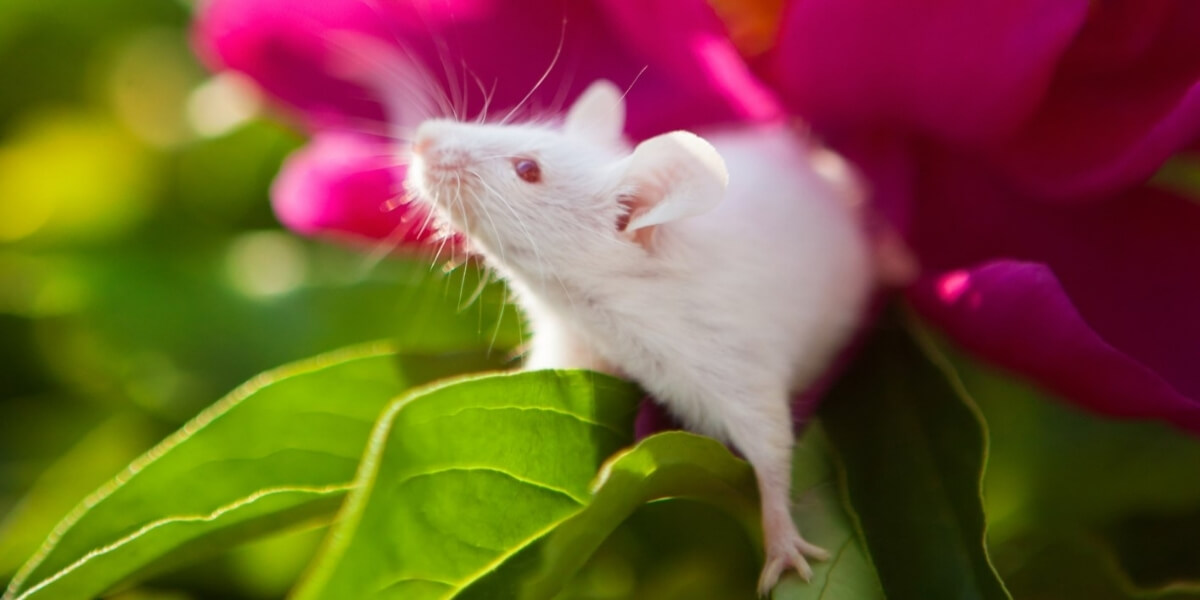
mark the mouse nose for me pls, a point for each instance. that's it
(422, 145)
(436, 144)
(425, 142)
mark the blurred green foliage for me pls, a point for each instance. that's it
(142, 274)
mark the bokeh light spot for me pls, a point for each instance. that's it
(149, 84)
(266, 264)
(66, 175)
(223, 103)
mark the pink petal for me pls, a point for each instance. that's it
(691, 55)
(887, 166)
(1098, 301)
(652, 418)
(1126, 98)
(346, 185)
(491, 48)
(1117, 35)
(961, 71)
(283, 45)
(1018, 316)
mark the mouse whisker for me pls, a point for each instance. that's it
(559, 102)
(429, 212)
(378, 67)
(459, 200)
(396, 202)
(534, 246)
(456, 99)
(483, 207)
(500, 317)
(507, 291)
(374, 127)
(482, 204)
(437, 255)
(636, 78)
(554, 61)
(499, 198)
(434, 97)
(487, 98)
(383, 247)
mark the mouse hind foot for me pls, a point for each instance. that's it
(786, 549)
(764, 436)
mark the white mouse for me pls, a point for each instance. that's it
(723, 273)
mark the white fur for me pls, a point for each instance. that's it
(721, 316)
(672, 177)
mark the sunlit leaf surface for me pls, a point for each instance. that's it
(460, 477)
(280, 450)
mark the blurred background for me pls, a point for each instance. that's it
(142, 276)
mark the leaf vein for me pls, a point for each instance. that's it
(469, 468)
(211, 516)
(565, 413)
(833, 565)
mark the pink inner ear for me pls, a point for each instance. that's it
(634, 206)
(629, 204)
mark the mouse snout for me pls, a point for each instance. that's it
(422, 145)
(435, 145)
(425, 143)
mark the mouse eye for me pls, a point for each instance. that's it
(528, 170)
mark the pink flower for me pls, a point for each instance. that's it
(1013, 140)
(301, 52)
(1010, 139)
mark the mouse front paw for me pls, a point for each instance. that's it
(787, 551)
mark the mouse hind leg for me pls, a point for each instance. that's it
(762, 432)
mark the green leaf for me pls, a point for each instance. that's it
(673, 549)
(278, 451)
(679, 465)
(913, 448)
(460, 477)
(1081, 506)
(667, 465)
(479, 489)
(1055, 465)
(83, 468)
(822, 513)
(1083, 566)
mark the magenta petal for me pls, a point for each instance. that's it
(887, 168)
(1119, 107)
(693, 57)
(284, 45)
(651, 419)
(1017, 315)
(682, 69)
(674, 57)
(962, 71)
(346, 185)
(1118, 35)
(1080, 290)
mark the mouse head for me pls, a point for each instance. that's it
(566, 196)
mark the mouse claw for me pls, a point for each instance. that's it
(789, 553)
(811, 550)
(775, 567)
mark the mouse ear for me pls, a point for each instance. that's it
(672, 176)
(598, 114)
